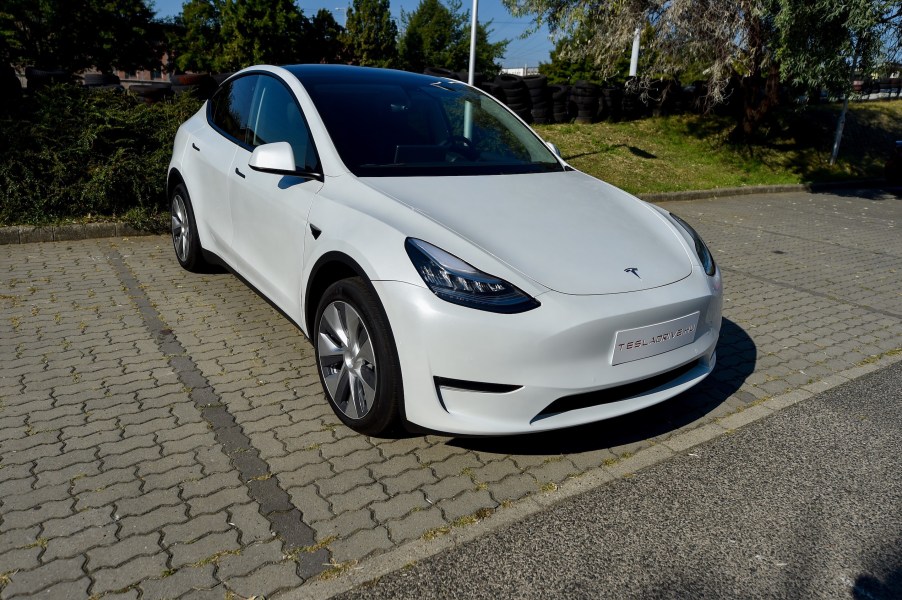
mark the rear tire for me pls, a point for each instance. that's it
(185, 240)
(357, 359)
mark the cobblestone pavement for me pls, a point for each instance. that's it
(163, 435)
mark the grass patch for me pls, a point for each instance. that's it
(692, 152)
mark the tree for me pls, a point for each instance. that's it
(325, 38)
(261, 31)
(105, 34)
(438, 35)
(740, 43)
(370, 36)
(197, 39)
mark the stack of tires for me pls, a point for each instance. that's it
(540, 98)
(585, 96)
(102, 81)
(560, 103)
(695, 94)
(201, 85)
(612, 98)
(440, 72)
(516, 95)
(220, 77)
(633, 107)
(664, 95)
(153, 92)
(10, 90)
(492, 90)
(41, 78)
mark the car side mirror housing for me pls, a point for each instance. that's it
(278, 158)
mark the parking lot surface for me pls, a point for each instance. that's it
(164, 435)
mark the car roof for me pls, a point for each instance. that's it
(337, 74)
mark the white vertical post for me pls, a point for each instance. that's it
(468, 107)
(634, 59)
(473, 22)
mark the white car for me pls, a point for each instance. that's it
(452, 271)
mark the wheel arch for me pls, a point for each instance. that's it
(330, 267)
(175, 178)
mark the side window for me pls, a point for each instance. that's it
(230, 107)
(275, 117)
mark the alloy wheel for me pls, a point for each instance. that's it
(346, 359)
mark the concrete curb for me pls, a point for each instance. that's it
(762, 189)
(25, 234)
(417, 550)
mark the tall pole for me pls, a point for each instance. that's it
(473, 21)
(468, 106)
(634, 59)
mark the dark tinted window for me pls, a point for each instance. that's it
(384, 124)
(275, 117)
(230, 107)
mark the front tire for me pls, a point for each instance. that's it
(357, 359)
(185, 240)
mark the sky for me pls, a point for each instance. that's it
(529, 51)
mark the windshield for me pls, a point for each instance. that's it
(425, 127)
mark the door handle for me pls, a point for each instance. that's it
(193, 145)
(239, 173)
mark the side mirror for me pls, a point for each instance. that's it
(554, 149)
(278, 158)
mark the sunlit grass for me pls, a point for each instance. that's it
(691, 152)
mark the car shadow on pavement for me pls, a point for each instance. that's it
(736, 358)
(878, 194)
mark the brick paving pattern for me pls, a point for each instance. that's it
(164, 435)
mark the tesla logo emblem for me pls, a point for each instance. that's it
(633, 270)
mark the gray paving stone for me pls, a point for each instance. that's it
(343, 525)
(399, 505)
(357, 497)
(92, 517)
(266, 581)
(175, 585)
(28, 498)
(361, 544)
(415, 524)
(217, 501)
(15, 519)
(20, 559)
(310, 503)
(210, 484)
(153, 520)
(252, 526)
(514, 487)
(466, 504)
(172, 478)
(17, 538)
(134, 571)
(408, 481)
(195, 528)
(43, 577)
(250, 559)
(203, 548)
(65, 589)
(78, 543)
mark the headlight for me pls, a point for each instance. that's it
(704, 255)
(455, 281)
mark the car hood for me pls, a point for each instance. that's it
(566, 231)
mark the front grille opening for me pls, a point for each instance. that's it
(614, 394)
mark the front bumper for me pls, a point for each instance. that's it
(563, 348)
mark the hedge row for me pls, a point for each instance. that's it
(74, 153)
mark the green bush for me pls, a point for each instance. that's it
(77, 154)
